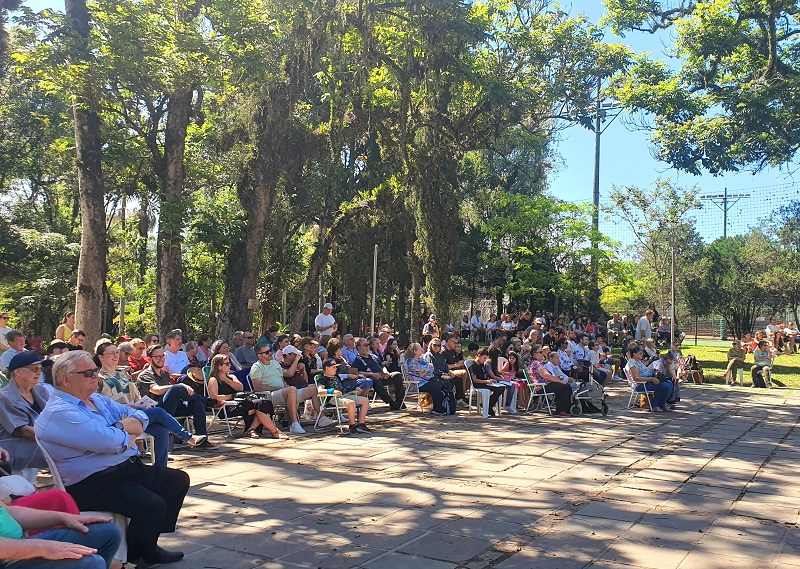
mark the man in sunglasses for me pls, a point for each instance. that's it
(245, 354)
(92, 441)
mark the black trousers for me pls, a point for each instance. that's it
(150, 496)
(563, 395)
(396, 379)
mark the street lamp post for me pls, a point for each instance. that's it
(673, 243)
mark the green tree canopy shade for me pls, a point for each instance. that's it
(732, 104)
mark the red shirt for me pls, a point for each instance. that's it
(138, 365)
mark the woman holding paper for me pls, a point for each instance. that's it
(116, 384)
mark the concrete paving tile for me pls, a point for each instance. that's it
(724, 545)
(530, 558)
(335, 556)
(701, 560)
(396, 560)
(480, 528)
(765, 511)
(416, 519)
(209, 557)
(690, 522)
(650, 555)
(446, 547)
(613, 510)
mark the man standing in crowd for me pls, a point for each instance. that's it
(93, 443)
(325, 323)
(643, 328)
(369, 366)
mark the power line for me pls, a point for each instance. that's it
(724, 202)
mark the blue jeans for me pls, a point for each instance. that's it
(353, 384)
(662, 392)
(160, 426)
(103, 537)
(178, 403)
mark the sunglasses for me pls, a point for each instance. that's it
(225, 363)
(3, 317)
(87, 373)
(264, 353)
(35, 369)
(248, 337)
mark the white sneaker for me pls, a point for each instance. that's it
(617, 378)
(326, 422)
(511, 410)
(296, 429)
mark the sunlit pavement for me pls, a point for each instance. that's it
(714, 484)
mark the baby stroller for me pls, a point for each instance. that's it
(590, 397)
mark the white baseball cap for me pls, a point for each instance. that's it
(328, 305)
(290, 350)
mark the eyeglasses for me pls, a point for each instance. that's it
(225, 363)
(35, 369)
(248, 337)
(159, 357)
(87, 373)
(3, 317)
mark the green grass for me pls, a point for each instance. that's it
(714, 360)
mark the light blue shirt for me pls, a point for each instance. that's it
(579, 353)
(83, 441)
(349, 355)
(564, 361)
(5, 359)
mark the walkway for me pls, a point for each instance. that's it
(712, 486)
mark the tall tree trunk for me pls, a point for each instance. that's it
(170, 302)
(88, 150)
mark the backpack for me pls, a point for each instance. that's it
(449, 402)
(758, 380)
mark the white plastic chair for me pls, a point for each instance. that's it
(632, 384)
(119, 520)
(481, 395)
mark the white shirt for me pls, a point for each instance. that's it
(464, 325)
(476, 322)
(5, 359)
(176, 362)
(557, 372)
(772, 328)
(326, 322)
(508, 326)
(3, 331)
(643, 329)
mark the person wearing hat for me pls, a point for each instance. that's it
(431, 327)
(21, 402)
(330, 384)
(325, 323)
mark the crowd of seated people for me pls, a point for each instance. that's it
(92, 409)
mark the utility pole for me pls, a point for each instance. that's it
(673, 243)
(603, 111)
(724, 201)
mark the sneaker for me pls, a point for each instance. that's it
(510, 410)
(617, 378)
(206, 445)
(657, 410)
(492, 413)
(438, 413)
(326, 422)
(353, 430)
(564, 414)
(296, 429)
(461, 404)
(362, 428)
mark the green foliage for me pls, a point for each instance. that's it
(732, 104)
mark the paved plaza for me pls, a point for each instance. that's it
(712, 485)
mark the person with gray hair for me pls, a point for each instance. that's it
(20, 404)
(92, 441)
(176, 360)
(16, 344)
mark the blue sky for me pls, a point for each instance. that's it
(625, 154)
(625, 157)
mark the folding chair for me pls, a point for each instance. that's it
(691, 373)
(632, 384)
(119, 520)
(332, 402)
(545, 398)
(221, 414)
(411, 385)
